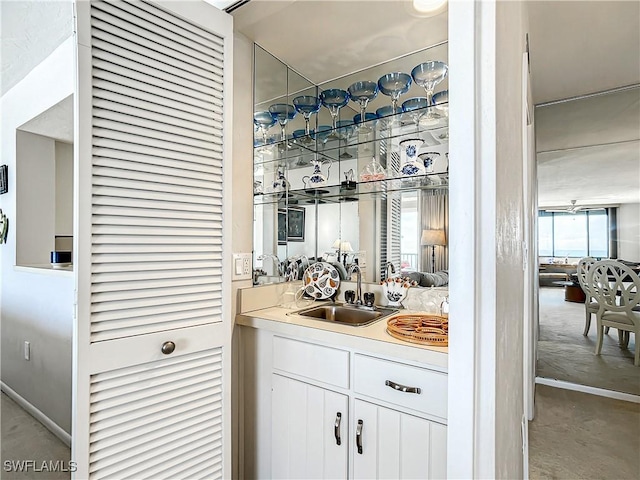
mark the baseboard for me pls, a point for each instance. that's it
(551, 382)
(37, 414)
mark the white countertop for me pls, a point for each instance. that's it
(371, 338)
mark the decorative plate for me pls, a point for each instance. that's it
(321, 280)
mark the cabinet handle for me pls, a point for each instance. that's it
(402, 388)
(336, 428)
(359, 436)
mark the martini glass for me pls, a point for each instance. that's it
(415, 108)
(334, 99)
(264, 121)
(393, 85)
(362, 93)
(282, 112)
(428, 75)
(307, 105)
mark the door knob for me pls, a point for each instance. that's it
(168, 347)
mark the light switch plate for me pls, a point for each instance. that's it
(241, 266)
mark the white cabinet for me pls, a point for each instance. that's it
(309, 428)
(322, 410)
(395, 445)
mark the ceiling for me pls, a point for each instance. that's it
(29, 32)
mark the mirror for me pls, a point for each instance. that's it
(343, 217)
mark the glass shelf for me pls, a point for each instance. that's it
(355, 190)
(301, 151)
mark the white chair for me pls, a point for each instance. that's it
(590, 306)
(616, 288)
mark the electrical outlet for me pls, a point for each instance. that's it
(27, 351)
(242, 269)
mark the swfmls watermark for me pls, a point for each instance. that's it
(39, 466)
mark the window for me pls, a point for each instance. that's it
(578, 234)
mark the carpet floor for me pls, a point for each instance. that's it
(575, 435)
(25, 439)
(565, 354)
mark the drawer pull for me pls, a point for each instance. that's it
(359, 436)
(402, 388)
(336, 428)
(168, 348)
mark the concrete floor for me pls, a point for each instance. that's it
(579, 436)
(25, 439)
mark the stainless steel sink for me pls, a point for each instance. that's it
(347, 314)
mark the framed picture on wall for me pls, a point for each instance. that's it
(291, 225)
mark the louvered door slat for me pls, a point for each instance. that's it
(140, 162)
(111, 78)
(146, 117)
(153, 115)
(173, 24)
(122, 16)
(110, 170)
(156, 420)
(153, 41)
(110, 147)
(201, 81)
(212, 282)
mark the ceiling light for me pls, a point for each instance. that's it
(429, 7)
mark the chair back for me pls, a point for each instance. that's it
(605, 281)
(584, 265)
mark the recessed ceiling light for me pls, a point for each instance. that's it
(429, 7)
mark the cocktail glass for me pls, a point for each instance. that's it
(334, 99)
(362, 92)
(282, 112)
(393, 85)
(307, 105)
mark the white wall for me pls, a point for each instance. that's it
(64, 189)
(36, 307)
(512, 23)
(35, 191)
(629, 232)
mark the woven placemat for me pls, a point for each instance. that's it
(424, 329)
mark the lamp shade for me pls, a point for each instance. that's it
(336, 244)
(346, 247)
(433, 237)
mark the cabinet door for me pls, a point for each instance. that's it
(396, 445)
(308, 431)
(152, 340)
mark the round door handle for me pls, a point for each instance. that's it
(168, 347)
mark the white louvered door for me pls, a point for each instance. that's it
(150, 248)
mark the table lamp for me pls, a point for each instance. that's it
(431, 238)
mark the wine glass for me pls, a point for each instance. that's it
(282, 112)
(307, 105)
(393, 85)
(428, 75)
(362, 92)
(415, 108)
(334, 99)
(264, 121)
(346, 130)
(441, 102)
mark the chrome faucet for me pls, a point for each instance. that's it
(352, 267)
(276, 262)
(392, 267)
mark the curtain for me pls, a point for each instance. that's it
(434, 213)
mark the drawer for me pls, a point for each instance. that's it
(315, 362)
(376, 378)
